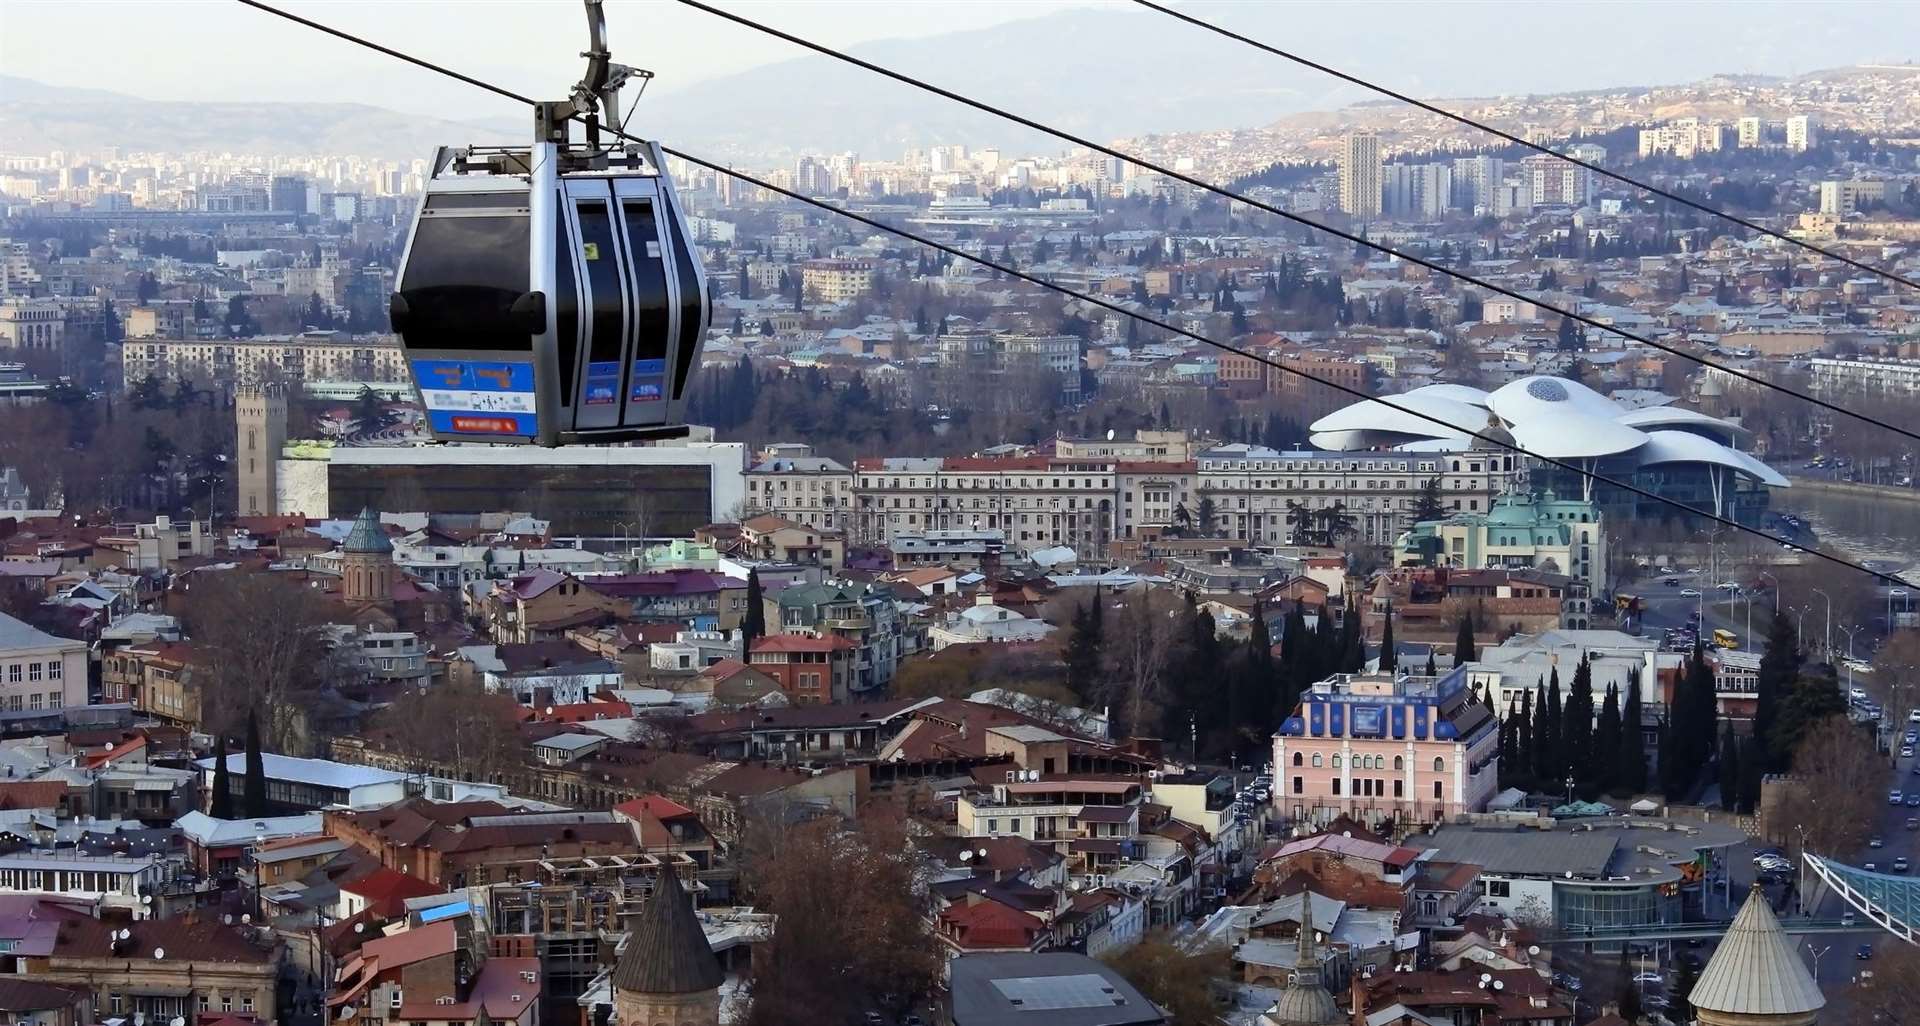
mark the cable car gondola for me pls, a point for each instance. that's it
(552, 294)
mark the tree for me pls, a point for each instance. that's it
(1779, 671)
(1570, 337)
(1839, 779)
(1173, 979)
(1630, 774)
(1551, 742)
(254, 793)
(1389, 661)
(458, 729)
(1463, 648)
(222, 802)
(1815, 696)
(753, 626)
(1627, 992)
(1576, 730)
(855, 924)
(369, 410)
(1207, 516)
(1084, 648)
(1428, 504)
(1606, 742)
(273, 652)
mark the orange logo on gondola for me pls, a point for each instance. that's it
(501, 376)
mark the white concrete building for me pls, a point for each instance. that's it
(38, 670)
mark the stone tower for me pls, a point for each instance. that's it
(366, 561)
(1305, 1001)
(666, 975)
(260, 418)
(1756, 977)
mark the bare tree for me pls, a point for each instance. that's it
(460, 728)
(1138, 652)
(853, 918)
(1842, 778)
(266, 651)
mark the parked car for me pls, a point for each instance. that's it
(1913, 822)
(1863, 952)
(1900, 864)
(1876, 842)
(1689, 593)
(1894, 798)
(1648, 977)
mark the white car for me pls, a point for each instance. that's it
(1648, 977)
(1858, 666)
(1689, 593)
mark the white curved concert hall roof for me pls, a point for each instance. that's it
(1538, 396)
(1547, 416)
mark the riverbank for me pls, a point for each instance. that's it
(1854, 489)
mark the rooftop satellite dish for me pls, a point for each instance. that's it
(359, 928)
(1499, 985)
(981, 854)
(177, 1021)
(245, 918)
(1533, 949)
(227, 919)
(966, 856)
(1486, 977)
(146, 899)
(1109, 434)
(159, 954)
(549, 710)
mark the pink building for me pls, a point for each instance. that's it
(1379, 749)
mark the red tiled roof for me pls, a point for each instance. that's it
(183, 939)
(989, 924)
(387, 890)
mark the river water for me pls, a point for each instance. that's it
(1869, 527)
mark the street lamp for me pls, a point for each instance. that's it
(1817, 952)
(1826, 646)
(1851, 631)
(1776, 588)
(1569, 789)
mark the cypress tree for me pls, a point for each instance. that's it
(1083, 651)
(1606, 742)
(254, 804)
(1555, 746)
(1751, 773)
(1544, 728)
(1523, 738)
(1326, 649)
(1631, 774)
(1779, 671)
(221, 806)
(1463, 650)
(754, 626)
(1388, 661)
(1509, 731)
(1576, 728)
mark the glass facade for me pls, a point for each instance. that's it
(1599, 906)
(655, 500)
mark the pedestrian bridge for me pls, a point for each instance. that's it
(1889, 901)
(1659, 932)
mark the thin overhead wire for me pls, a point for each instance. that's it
(1117, 308)
(1419, 261)
(1529, 144)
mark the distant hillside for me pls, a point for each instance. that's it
(35, 117)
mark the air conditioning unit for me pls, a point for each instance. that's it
(530, 977)
(443, 1001)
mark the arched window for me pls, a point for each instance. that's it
(1316, 760)
(1439, 765)
(1399, 763)
(1297, 758)
(1336, 762)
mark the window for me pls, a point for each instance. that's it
(1399, 789)
(1398, 763)
(1336, 762)
(1336, 785)
(1298, 758)
(1439, 764)
(1316, 760)
(993, 827)
(1299, 785)
(13, 673)
(53, 670)
(1499, 888)
(1437, 785)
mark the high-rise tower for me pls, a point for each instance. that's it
(260, 418)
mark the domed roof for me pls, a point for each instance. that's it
(1539, 396)
(1756, 971)
(667, 952)
(367, 535)
(1687, 447)
(1406, 415)
(1576, 435)
(1305, 1000)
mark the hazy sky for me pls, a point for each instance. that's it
(219, 50)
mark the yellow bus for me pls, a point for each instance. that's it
(1724, 638)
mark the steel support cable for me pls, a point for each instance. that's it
(1519, 141)
(1225, 193)
(1113, 307)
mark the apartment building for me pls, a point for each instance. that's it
(837, 281)
(32, 325)
(1037, 501)
(1846, 197)
(39, 671)
(1802, 133)
(812, 491)
(1360, 166)
(253, 362)
(1380, 748)
(1254, 488)
(1871, 377)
